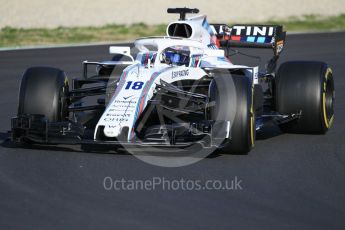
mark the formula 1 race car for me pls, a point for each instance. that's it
(178, 90)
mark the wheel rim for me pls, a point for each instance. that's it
(252, 121)
(328, 99)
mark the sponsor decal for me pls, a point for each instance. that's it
(122, 101)
(180, 73)
(125, 98)
(280, 46)
(112, 119)
(117, 115)
(252, 31)
(121, 110)
(221, 30)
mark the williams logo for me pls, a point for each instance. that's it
(181, 73)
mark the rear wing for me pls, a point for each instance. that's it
(251, 36)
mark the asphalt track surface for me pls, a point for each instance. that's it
(288, 181)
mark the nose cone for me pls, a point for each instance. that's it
(112, 131)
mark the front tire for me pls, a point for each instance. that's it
(43, 91)
(233, 97)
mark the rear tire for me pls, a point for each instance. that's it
(307, 87)
(43, 91)
(235, 106)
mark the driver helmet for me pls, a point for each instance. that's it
(176, 56)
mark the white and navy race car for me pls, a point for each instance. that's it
(178, 90)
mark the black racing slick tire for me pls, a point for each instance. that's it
(43, 91)
(307, 87)
(235, 105)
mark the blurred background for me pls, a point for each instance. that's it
(31, 22)
(51, 13)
